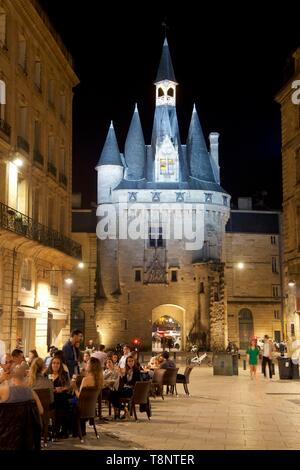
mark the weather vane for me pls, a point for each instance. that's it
(165, 26)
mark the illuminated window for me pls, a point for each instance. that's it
(167, 166)
(2, 99)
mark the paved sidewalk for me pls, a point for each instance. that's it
(221, 413)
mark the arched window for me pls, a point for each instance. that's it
(170, 92)
(160, 92)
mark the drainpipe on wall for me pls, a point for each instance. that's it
(282, 284)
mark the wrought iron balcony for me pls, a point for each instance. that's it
(52, 169)
(38, 157)
(19, 223)
(4, 127)
(63, 179)
(22, 143)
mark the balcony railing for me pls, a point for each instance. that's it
(4, 127)
(52, 169)
(22, 143)
(19, 223)
(63, 179)
(38, 157)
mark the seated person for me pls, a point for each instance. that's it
(17, 391)
(93, 378)
(131, 375)
(165, 362)
(111, 376)
(37, 380)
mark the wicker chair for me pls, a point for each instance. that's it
(140, 396)
(86, 408)
(169, 379)
(44, 395)
(184, 379)
(157, 383)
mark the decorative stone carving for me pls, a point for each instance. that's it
(132, 196)
(156, 273)
(155, 196)
(180, 196)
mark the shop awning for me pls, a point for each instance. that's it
(56, 314)
(27, 312)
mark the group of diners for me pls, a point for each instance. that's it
(65, 374)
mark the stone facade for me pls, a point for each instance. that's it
(290, 131)
(143, 284)
(36, 82)
(254, 288)
(85, 280)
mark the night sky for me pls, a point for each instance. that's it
(230, 61)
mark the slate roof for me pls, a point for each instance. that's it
(110, 154)
(135, 150)
(253, 222)
(165, 69)
(197, 154)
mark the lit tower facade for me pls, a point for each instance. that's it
(169, 281)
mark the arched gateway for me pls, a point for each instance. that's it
(168, 328)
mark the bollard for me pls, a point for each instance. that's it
(244, 364)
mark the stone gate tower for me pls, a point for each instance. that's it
(170, 194)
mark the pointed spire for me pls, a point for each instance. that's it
(135, 150)
(110, 154)
(165, 69)
(197, 153)
(136, 108)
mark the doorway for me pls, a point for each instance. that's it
(246, 330)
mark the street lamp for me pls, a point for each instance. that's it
(291, 283)
(240, 265)
(68, 280)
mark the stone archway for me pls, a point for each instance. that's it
(168, 328)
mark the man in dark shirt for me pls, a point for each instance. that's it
(71, 351)
(167, 363)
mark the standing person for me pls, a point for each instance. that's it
(267, 356)
(100, 355)
(71, 352)
(253, 353)
(126, 353)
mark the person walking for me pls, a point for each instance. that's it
(267, 356)
(253, 353)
